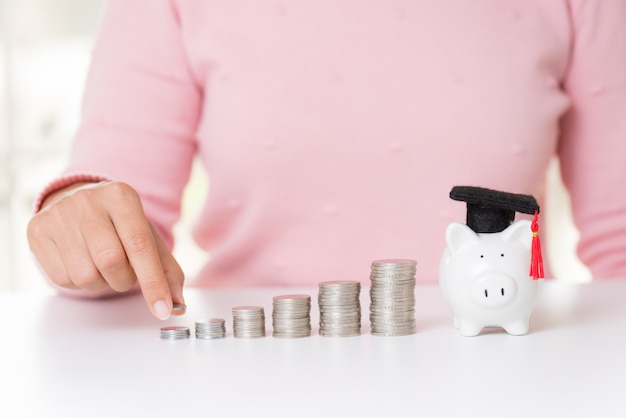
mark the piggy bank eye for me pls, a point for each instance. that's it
(501, 255)
(482, 256)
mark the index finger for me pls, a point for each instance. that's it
(138, 241)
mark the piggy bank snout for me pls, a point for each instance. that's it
(493, 290)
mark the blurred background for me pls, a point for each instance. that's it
(44, 55)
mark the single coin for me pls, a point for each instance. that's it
(179, 307)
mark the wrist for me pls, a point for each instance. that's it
(63, 185)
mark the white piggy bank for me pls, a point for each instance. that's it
(484, 278)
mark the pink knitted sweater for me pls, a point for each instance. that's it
(333, 130)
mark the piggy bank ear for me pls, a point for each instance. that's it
(458, 235)
(519, 231)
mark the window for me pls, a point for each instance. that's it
(44, 54)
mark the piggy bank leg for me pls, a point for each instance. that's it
(517, 328)
(469, 329)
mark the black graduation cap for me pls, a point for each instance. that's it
(491, 210)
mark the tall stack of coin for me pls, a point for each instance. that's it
(392, 293)
(248, 322)
(340, 308)
(291, 316)
(210, 328)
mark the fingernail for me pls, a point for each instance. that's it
(161, 310)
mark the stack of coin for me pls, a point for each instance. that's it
(291, 316)
(392, 293)
(175, 333)
(248, 322)
(210, 328)
(340, 308)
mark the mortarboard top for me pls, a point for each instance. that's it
(491, 211)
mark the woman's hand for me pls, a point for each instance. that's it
(96, 236)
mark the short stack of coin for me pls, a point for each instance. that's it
(392, 296)
(248, 322)
(291, 316)
(340, 308)
(175, 333)
(210, 328)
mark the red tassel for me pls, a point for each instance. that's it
(536, 259)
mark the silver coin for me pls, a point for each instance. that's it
(330, 283)
(324, 333)
(394, 262)
(209, 337)
(247, 309)
(179, 307)
(285, 336)
(289, 298)
(394, 334)
(213, 322)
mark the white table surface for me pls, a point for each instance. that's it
(62, 357)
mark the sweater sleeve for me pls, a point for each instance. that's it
(140, 108)
(592, 149)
